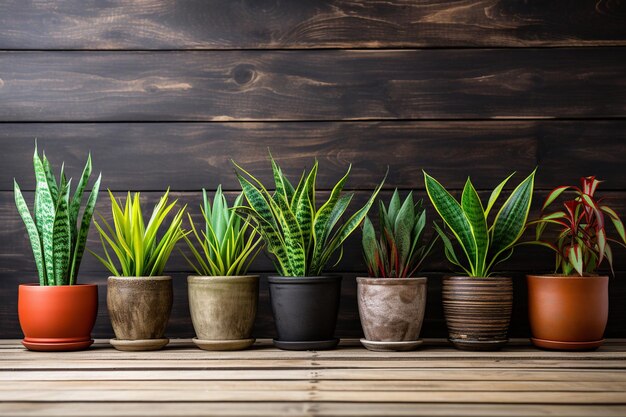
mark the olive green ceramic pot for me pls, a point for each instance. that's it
(139, 308)
(223, 310)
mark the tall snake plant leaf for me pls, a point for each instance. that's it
(33, 234)
(495, 194)
(52, 182)
(452, 214)
(349, 227)
(402, 228)
(293, 239)
(78, 194)
(44, 216)
(510, 222)
(370, 247)
(323, 222)
(83, 230)
(473, 208)
(61, 237)
(263, 214)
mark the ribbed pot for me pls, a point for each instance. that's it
(139, 308)
(568, 312)
(223, 310)
(392, 311)
(305, 311)
(478, 311)
(57, 318)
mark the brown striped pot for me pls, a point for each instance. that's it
(478, 311)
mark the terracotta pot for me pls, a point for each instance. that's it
(59, 317)
(478, 311)
(392, 312)
(223, 310)
(568, 312)
(139, 308)
(305, 311)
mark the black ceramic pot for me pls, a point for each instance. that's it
(305, 311)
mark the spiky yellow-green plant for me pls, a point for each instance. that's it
(138, 248)
(57, 240)
(228, 245)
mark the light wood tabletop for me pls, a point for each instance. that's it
(435, 380)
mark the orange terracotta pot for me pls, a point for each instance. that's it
(568, 312)
(57, 318)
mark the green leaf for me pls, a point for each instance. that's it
(510, 221)
(33, 234)
(473, 209)
(61, 238)
(403, 227)
(454, 217)
(495, 194)
(449, 249)
(78, 194)
(83, 231)
(369, 244)
(44, 216)
(575, 257)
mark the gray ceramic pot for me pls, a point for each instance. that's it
(392, 312)
(139, 308)
(223, 310)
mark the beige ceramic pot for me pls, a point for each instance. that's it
(223, 310)
(392, 312)
(139, 308)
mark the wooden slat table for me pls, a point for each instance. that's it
(433, 381)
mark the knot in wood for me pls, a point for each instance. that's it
(243, 73)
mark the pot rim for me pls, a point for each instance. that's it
(37, 285)
(568, 277)
(276, 279)
(145, 278)
(220, 278)
(391, 281)
(465, 278)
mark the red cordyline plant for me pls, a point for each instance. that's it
(582, 243)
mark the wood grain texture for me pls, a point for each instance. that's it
(312, 85)
(451, 150)
(199, 24)
(436, 380)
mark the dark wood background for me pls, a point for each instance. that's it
(165, 93)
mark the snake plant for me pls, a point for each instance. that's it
(398, 252)
(484, 246)
(138, 248)
(57, 240)
(300, 236)
(228, 244)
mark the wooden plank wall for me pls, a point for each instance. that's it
(165, 93)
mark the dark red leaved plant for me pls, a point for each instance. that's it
(582, 243)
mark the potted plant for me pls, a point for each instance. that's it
(477, 304)
(391, 300)
(139, 296)
(57, 314)
(222, 298)
(301, 237)
(568, 310)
